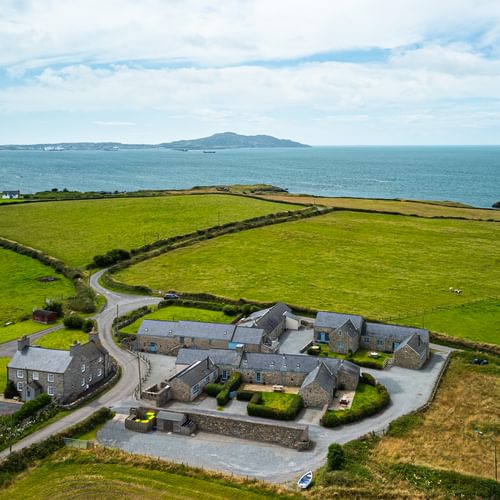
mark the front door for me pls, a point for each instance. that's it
(322, 337)
(29, 394)
(258, 377)
(152, 347)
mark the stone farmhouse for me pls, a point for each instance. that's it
(188, 384)
(346, 333)
(318, 378)
(272, 320)
(64, 375)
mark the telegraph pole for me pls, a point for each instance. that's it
(140, 380)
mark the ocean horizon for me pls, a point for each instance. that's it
(465, 174)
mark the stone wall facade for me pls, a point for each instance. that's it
(315, 395)
(256, 429)
(406, 357)
(293, 379)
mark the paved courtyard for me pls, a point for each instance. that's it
(409, 390)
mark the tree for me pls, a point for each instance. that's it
(10, 390)
(335, 459)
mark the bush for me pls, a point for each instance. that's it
(245, 395)
(313, 351)
(368, 379)
(32, 407)
(88, 325)
(73, 322)
(232, 384)
(111, 257)
(213, 389)
(335, 458)
(230, 310)
(56, 307)
(10, 390)
(358, 411)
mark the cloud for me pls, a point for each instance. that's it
(113, 124)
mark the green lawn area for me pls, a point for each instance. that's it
(17, 330)
(371, 264)
(21, 290)
(62, 339)
(121, 223)
(3, 373)
(84, 478)
(177, 313)
(478, 321)
(278, 400)
(360, 357)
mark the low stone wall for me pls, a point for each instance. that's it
(256, 429)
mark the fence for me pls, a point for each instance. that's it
(81, 444)
(144, 378)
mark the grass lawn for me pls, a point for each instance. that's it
(21, 290)
(3, 373)
(17, 330)
(62, 339)
(361, 356)
(177, 313)
(477, 321)
(278, 400)
(407, 207)
(86, 474)
(121, 223)
(370, 264)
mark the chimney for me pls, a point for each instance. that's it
(94, 337)
(23, 342)
(74, 348)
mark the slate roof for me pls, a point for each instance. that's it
(156, 328)
(267, 319)
(171, 416)
(196, 329)
(91, 350)
(196, 372)
(336, 320)
(41, 359)
(228, 357)
(247, 335)
(398, 333)
(321, 375)
(415, 342)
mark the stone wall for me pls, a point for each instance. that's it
(256, 429)
(406, 357)
(292, 379)
(315, 395)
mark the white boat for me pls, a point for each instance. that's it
(305, 481)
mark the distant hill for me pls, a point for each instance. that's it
(230, 140)
(225, 140)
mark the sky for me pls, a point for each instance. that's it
(331, 72)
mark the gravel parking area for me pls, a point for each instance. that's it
(162, 367)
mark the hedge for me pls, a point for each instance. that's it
(213, 389)
(341, 417)
(245, 395)
(32, 407)
(255, 408)
(19, 461)
(368, 379)
(232, 384)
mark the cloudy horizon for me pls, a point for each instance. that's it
(338, 73)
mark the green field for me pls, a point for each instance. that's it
(375, 265)
(83, 228)
(62, 339)
(3, 373)
(17, 330)
(84, 478)
(21, 291)
(177, 313)
(477, 321)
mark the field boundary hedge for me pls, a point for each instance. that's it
(84, 300)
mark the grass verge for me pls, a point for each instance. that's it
(62, 339)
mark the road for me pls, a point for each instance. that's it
(116, 302)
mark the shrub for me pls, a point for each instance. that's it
(313, 351)
(229, 310)
(56, 307)
(368, 379)
(245, 395)
(10, 390)
(256, 399)
(213, 389)
(335, 458)
(73, 322)
(32, 407)
(88, 325)
(232, 384)
(111, 257)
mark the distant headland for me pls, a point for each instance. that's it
(225, 140)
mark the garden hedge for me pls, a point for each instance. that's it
(213, 389)
(341, 417)
(256, 408)
(232, 384)
(245, 395)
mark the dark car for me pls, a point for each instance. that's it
(171, 296)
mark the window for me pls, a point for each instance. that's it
(51, 391)
(50, 377)
(196, 388)
(340, 346)
(35, 375)
(90, 377)
(365, 339)
(100, 359)
(99, 372)
(380, 342)
(83, 382)
(83, 367)
(181, 340)
(19, 386)
(207, 379)
(258, 377)
(20, 373)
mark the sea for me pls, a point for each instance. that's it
(467, 174)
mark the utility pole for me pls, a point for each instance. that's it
(140, 381)
(117, 310)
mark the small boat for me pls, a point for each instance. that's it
(305, 481)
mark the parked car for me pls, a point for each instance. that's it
(171, 296)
